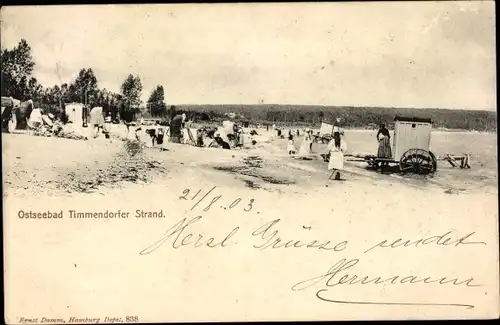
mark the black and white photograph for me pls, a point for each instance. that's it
(249, 162)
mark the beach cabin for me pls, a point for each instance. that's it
(75, 112)
(326, 129)
(410, 133)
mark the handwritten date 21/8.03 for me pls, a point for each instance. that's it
(207, 200)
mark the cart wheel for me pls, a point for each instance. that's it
(434, 161)
(372, 163)
(417, 161)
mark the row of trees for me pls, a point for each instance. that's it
(17, 66)
(356, 117)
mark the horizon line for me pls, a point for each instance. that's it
(345, 106)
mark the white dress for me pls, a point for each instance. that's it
(185, 136)
(305, 146)
(336, 155)
(228, 127)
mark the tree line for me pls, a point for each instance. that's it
(352, 117)
(17, 67)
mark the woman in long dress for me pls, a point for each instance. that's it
(305, 146)
(96, 120)
(337, 147)
(384, 144)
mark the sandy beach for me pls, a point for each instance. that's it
(52, 166)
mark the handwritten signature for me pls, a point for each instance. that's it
(337, 276)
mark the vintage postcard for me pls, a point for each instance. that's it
(249, 162)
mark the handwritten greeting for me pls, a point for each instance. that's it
(268, 236)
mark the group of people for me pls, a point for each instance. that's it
(334, 154)
(305, 146)
(337, 147)
(41, 122)
(228, 136)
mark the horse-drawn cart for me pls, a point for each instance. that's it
(411, 148)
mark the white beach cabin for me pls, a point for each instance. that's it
(411, 133)
(75, 112)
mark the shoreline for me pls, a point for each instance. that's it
(433, 131)
(262, 125)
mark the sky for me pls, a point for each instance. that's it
(394, 54)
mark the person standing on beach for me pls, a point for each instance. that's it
(310, 133)
(336, 156)
(127, 118)
(176, 128)
(384, 144)
(305, 147)
(107, 125)
(336, 132)
(96, 120)
(291, 147)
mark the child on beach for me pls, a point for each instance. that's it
(291, 147)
